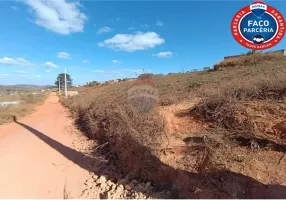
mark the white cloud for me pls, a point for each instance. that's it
(159, 23)
(85, 61)
(59, 16)
(14, 8)
(116, 61)
(50, 65)
(64, 55)
(22, 72)
(15, 62)
(98, 71)
(117, 19)
(38, 76)
(48, 71)
(4, 75)
(104, 30)
(133, 42)
(131, 28)
(145, 26)
(166, 54)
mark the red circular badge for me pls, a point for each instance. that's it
(258, 26)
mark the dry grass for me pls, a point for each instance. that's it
(221, 103)
(252, 59)
(133, 131)
(231, 99)
(245, 109)
(5, 97)
(19, 110)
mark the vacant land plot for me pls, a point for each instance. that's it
(212, 134)
(27, 103)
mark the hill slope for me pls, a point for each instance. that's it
(212, 134)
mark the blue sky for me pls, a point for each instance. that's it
(103, 40)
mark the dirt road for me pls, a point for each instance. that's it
(37, 158)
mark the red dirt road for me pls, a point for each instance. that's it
(36, 155)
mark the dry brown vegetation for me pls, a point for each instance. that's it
(251, 59)
(29, 101)
(211, 134)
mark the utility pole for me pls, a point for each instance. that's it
(66, 92)
(59, 86)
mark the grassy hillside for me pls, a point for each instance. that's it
(188, 132)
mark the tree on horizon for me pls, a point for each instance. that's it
(61, 77)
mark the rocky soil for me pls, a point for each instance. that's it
(105, 181)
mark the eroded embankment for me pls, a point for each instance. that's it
(225, 141)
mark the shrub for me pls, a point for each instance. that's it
(92, 84)
(207, 69)
(143, 97)
(145, 76)
(122, 115)
(222, 104)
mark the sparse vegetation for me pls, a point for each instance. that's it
(220, 104)
(207, 69)
(92, 84)
(248, 59)
(27, 105)
(109, 116)
(145, 76)
(236, 116)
